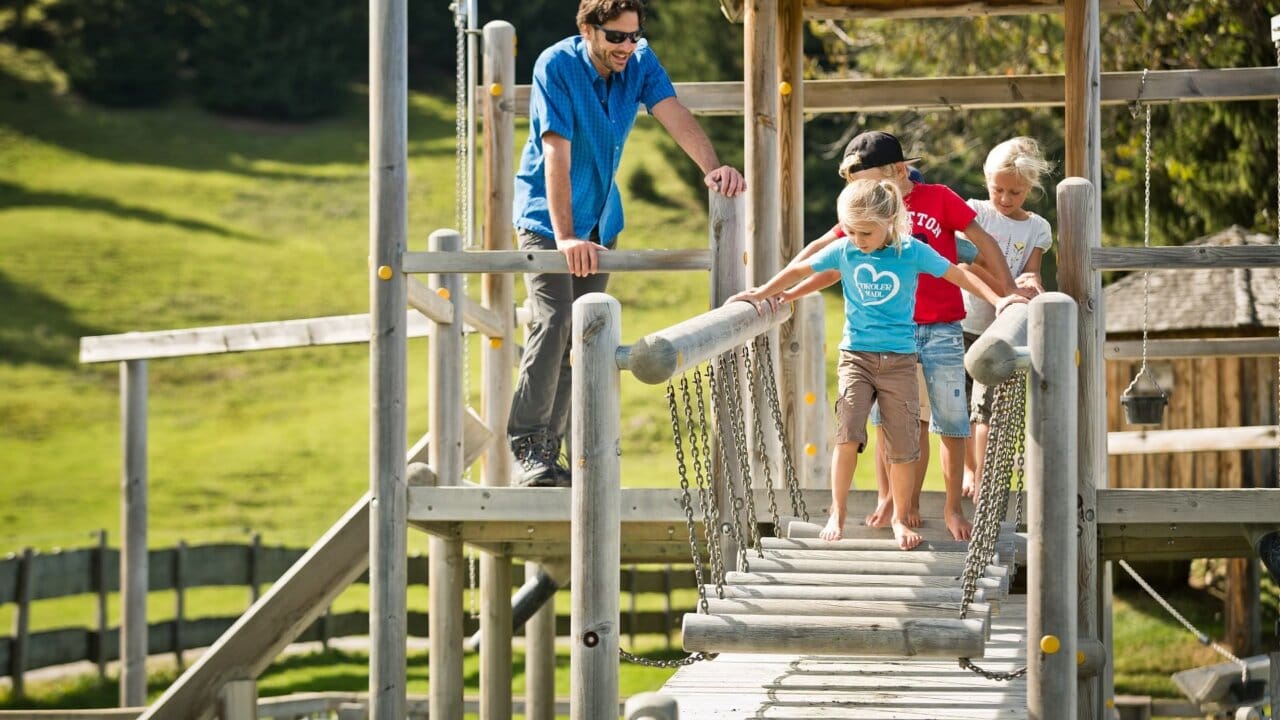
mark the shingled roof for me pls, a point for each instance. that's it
(1199, 299)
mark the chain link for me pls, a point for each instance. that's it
(1146, 236)
(734, 399)
(708, 494)
(775, 408)
(1003, 460)
(726, 432)
(750, 358)
(668, 664)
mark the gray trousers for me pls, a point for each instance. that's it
(540, 406)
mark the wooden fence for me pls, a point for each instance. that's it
(31, 576)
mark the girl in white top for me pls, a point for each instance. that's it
(1013, 170)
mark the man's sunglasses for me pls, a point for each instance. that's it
(617, 37)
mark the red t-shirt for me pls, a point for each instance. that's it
(937, 213)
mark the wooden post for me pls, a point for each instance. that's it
(21, 624)
(255, 560)
(814, 458)
(388, 297)
(100, 588)
(1076, 210)
(1274, 684)
(1051, 477)
(796, 352)
(597, 508)
(760, 113)
(445, 406)
(497, 357)
(238, 700)
(133, 534)
(730, 263)
(651, 706)
(540, 659)
(179, 601)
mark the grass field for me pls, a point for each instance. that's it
(131, 220)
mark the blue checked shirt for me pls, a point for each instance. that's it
(571, 99)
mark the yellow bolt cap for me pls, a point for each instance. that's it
(443, 292)
(384, 272)
(1049, 644)
(495, 343)
(495, 89)
(810, 398)
(1111, 702)
(810, 449)
(784, 88)
(1079, 657)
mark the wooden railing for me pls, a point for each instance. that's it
(30, 577)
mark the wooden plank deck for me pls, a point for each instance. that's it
(790, 686)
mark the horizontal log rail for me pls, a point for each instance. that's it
(661, 355)
(1151, 442)
(984, 92)
(1186, 257)
(1192, 348)
(552, 261)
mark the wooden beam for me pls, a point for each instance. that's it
(551, 261)
(922, 637)
(983, 92)
(1185, 257)
(904, 9)
(661, 355)
(1197, 348)
(1150, 442)
(1189, 507)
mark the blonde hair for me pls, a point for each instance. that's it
(888, 172)
(877, 201)
(1021, 156)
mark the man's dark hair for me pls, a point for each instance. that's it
(599, 12)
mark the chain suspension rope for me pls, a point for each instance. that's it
(1146, 224)
(727, 437)
(707, 494)
(798, 508)
(1202, 637)
(751, 357)
(1003, 461)
(697, 434)
(733, 402)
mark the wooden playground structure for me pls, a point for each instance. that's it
(1060, 632)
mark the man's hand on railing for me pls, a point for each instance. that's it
(581, 256)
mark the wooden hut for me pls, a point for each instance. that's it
(1208, 331)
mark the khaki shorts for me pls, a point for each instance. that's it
(890, 379)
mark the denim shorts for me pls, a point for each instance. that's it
(940, 348)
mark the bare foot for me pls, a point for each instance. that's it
(912, 517)
(907, 538)
(879, 518)
(959, 527)
(969, 488)
(834, 529)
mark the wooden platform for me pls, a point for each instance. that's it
(790, 686)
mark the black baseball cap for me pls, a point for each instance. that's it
(870, 150)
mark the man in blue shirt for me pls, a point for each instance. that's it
(586, 92)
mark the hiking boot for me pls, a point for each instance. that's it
(560, 463)
(537, 466)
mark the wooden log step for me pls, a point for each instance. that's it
(874, 593)
(802, 634)
(848, 608)
(931, 559)
(763, 706)
(859, 567)
(939, 549)
(846, 580)
(933, 530)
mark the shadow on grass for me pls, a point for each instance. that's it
(37, 328)
(13, 195)
(180, 135)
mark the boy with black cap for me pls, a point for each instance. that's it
(937, 213)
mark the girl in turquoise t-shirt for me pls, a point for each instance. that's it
(879, 263)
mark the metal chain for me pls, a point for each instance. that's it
(1146, 236)
(686, 501)
(744, 454)
(1202, 637)
(726, 432)
(459, 116)
(775, 408)
(1020, 448)
(750, 358)
(473, 558)
(1005, 448)
(708, 495)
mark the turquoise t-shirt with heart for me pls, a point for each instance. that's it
(879, 291)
